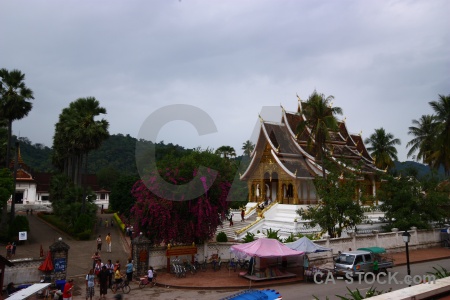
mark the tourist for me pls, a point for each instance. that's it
(231, 220)
(67, 292)
(8, 250)
(108, 242)
(242, 215)
(104, 279)
(90, 284)
(110, 267)
(129, 270)
(117, 276)
(95, 257)
(150, 274)
(99, 243)
(98, 267)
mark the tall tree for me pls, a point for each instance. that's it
(424, 140)
(248, 147)
(14, 104)
(383, 148)
(320, 119)
(441, 155)
(77, 133)
(226, 151)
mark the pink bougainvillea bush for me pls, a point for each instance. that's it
(183, 221)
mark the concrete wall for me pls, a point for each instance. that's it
(391, 241)
(24, 271)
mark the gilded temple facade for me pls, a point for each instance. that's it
(282, 166)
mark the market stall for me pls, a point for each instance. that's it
(267, 257)
(306, 245)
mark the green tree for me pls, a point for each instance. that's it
(121, 199)
(226, 151)
(14, 104)
(6, 185)
(338, 208)
(382, 148)
(78, 133)
(319, 120)
(441, 155)
(424, 140)
(248, 147)
(406, 202)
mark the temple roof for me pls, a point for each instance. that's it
(292, 152)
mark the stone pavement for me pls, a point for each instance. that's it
(81, 251)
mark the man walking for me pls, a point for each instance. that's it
(108, 242)
(99, 243)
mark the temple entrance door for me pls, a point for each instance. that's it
(18, 197)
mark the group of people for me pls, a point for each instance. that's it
(100, 243)
(105, 275)
(11, 250)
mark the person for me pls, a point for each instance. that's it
(375, 266)
(108, 242)
(67, 292)
(130, 232)
(13, 251)
(90, 284)
(117, 276)
(98, 267)
(116, 265)
(129, 270)
(99, 243)
(231, 220)
(28, 211)
(95, 257)
(10, 288)
(150, 274)
(105, 280)
(110, 267)
(8, 250)
(242, 215)
(106, 223)
(57, 294)
(306, 262)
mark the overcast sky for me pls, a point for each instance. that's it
(383, 61)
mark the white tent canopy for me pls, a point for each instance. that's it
(306, 245)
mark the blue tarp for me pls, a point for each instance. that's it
(306, 245)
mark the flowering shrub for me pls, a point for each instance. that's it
(167, 221)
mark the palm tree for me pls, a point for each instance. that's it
(248, 147)
(77, 133)
(441, 155)
(13, 106)
(226, 151)
(320, 120)
(424, 139)
(13, 100)
(382, 148)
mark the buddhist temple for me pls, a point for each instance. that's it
(282, 168)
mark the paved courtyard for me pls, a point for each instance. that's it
(205, 285)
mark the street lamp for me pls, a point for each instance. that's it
(406, 238)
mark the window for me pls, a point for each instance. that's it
(102, 196)
(45, 197)
(367, 257)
